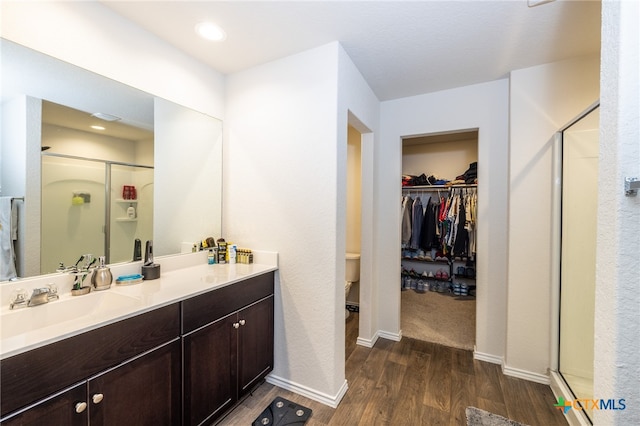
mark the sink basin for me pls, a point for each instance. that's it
(67, 309)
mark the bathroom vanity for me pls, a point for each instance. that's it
(198, 340)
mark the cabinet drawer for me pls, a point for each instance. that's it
(208, 307)
(43, 371)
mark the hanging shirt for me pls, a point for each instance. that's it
(416, 224)
(407, 212)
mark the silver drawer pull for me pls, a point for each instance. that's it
(236, 325)
(242, 322)
(80, 407)
(97, 398)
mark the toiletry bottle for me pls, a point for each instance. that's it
(233, 250)
(210, 257)
(222, 250)
(131, 212)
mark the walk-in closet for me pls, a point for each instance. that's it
(438, 250)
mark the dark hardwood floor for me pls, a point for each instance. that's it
(412, 382)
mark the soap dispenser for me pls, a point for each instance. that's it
(101, 278)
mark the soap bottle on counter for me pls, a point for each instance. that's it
(222, 250)
(211, 258)
(233, 251)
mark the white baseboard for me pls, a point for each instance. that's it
(526, 375)
(367, 343)
(493, 359)
(560, 389)
(321, 397)
(396, 337)
(510, 371)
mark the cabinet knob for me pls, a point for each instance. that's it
(242, 322)
(236, 325)
(97, 398)
(80, 407)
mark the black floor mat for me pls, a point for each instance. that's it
(282, 412)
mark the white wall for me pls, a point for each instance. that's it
(92, 36)
(445, 160)
(482, 106)
(359, 108)
(280, 179)
(187, 164)
(354, 184)
(354, 206)
(285, 146)
(617, 364)
(542, 100)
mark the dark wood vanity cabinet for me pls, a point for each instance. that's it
(66, 408)
(144, 391)
(179, 364)
(228, 346)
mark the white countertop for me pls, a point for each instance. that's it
(181, 277)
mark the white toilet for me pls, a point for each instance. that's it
(352, 274)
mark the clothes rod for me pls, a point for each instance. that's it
(18, 198)
(438, 187)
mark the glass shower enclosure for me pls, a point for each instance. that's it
(579, 154)
(85, 211)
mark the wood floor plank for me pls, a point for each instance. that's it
(400, 352)
(462, 361)
(352, 406)
(463, 395)
(384, 398)
(412, 382)
(434, 417)
(491, 406)
(541, 396)
(488, 385)
(437, 391)
(517, 400)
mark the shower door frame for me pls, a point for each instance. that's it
(559, 386)
(107, 192)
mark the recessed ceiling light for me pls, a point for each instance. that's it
(106, 117)
(97, 127)
(210, 31)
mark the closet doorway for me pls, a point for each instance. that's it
(438, 251)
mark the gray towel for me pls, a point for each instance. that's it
(8, 233)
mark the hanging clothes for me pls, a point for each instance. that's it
(416, 224)
(428, 237)
(407, 211)
(461, 242)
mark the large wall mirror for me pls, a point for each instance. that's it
(92, 164)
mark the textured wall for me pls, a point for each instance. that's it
(280, 194)
(482, 106)
(617, 325)
(542, 100)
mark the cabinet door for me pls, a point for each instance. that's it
(64, 409)
(210, 375)
(144, 391)
(255, 343)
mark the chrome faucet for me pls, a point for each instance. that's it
(39, 296)
(79, 272)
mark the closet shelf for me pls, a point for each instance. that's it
(439, 262)
(439, 187)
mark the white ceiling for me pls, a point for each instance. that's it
(402, 48)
